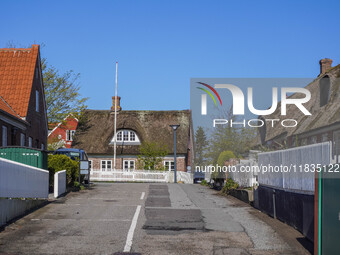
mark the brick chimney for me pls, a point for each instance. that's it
(114, 103)
(325, 65)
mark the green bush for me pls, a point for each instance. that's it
(204, 183)
(58, 163)
(229, 186)
(224, 156)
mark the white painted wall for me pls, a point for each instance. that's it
(59, 183)
(22, 181)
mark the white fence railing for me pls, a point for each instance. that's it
(22, 181)
(59, 183)
(139, 176)
(299, 161)
(243, 174)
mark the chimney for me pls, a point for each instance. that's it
(325, 65)
(114, 103)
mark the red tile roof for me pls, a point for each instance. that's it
(17, 67)
(5, 107)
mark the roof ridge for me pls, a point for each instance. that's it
(9, 106)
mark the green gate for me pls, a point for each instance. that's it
(329, 211)
(27, 156)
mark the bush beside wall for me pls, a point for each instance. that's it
(58, 163)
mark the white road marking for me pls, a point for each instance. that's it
(129, 238)
(142, 196)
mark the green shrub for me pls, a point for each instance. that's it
(204, 183)
(224, 156)
(58, 163)
(76, 184)
(229, 186)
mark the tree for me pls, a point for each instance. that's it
(225, 156)
(237, 139)
(62, 93)
(151, 156)
(200, 146)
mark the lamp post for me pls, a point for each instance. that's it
(175, 127)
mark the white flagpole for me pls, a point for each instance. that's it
(115, 131)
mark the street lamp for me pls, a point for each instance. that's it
(175, 127)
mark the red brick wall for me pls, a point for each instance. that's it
(96, 162)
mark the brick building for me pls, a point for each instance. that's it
(23, 118)
(324, 123)
(61, 134)
(96, 136)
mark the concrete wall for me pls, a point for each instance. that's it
(59, 183)
(14, 208)
(19, 181)
(22, 181)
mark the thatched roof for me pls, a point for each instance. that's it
(321, 116)
(96, 129)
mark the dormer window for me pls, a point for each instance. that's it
(127, 137)
(325, 85)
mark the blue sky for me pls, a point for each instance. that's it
(160, 45)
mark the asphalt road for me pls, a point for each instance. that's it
(139, 218)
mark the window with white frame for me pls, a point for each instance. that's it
(169, 165)
(106, 165)
(127, 136)
(70, 134)
(22, 139)
(37, 101)
(4, 136)
(30, 142)
(90, 164)
(129, 164)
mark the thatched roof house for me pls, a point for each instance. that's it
(324, 105)
(95, 134)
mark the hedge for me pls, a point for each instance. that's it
(58, 163)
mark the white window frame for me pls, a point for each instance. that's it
(131, 165)
(169, 165)
(30, 142)
(127, 136)
(106, 164)
(22, 139)
(4, 136)
(70, 134)
(37, 100)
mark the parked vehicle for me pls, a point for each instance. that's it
(72, 153)
(75, 154)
